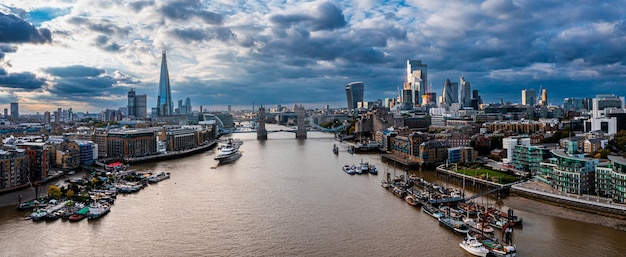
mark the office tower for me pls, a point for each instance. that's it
(476, 100)
(605, 113)
(141, 106)
(573, 104)
(529, 97)
(57, 115)
(229, 108)
(131, 103)
(601, 103)
(407, 94)
(6, 113)
(46, 117)
(164, 99)
(417, 76)
(137, 105)
(544, 97)
(15, 112)
(179, 110)
(429, 98)
(354, 94)
(466, 90)
(187, 105)
(450, 92)
(455, 92)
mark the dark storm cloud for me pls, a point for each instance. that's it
(6, 49)
(185, 10)
(358, 46)
(327, 16)
(600, 43)
(86, 82)
(83, 86)
(23, 80)
(103, 42)
(75, 71)
(15, 30)
(205, 34)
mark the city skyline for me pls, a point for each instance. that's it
(87, 55)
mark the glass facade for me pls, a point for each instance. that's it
(570, 174)
(354, 94)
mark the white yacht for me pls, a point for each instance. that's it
(228, 154)
(473, 246)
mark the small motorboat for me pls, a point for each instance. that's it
(473, 246)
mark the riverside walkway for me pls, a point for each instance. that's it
(587, 203)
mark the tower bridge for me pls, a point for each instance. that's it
(258, 125)
(301, 132)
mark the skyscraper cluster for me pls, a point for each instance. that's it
(416, 80)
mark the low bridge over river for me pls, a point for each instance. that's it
(301, 133)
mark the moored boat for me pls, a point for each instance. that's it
(432, 211)
(456, 225)
(80, 214)
(98, 209)
(38, 214)
(27, 205)
(477, 226)
(158, 177)
(498, 249)
(373, 170)
(473, 246)
(411, 200)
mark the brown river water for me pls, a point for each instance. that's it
(286, 197)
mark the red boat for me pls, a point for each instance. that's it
(80, 214)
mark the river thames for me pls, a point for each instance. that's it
(284, 197)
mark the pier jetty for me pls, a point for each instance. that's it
(406, 162)
(170, 155)
(485, 186)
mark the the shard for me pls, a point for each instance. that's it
(164, 100)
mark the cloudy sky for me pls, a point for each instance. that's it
(87, 54)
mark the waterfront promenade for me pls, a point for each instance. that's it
(588, 203)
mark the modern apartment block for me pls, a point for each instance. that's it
(528, 158)
(611, 178)
(569, 173)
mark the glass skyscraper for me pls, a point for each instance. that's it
(354, 94)
(417, 76)
(164, 100)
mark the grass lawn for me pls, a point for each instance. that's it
(493, 175)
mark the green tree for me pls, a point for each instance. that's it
(70, 193)
(54, 192)
(619, 140)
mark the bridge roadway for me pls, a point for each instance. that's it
(269, 131)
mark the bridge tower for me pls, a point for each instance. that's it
(301, 131)
(261, 132)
